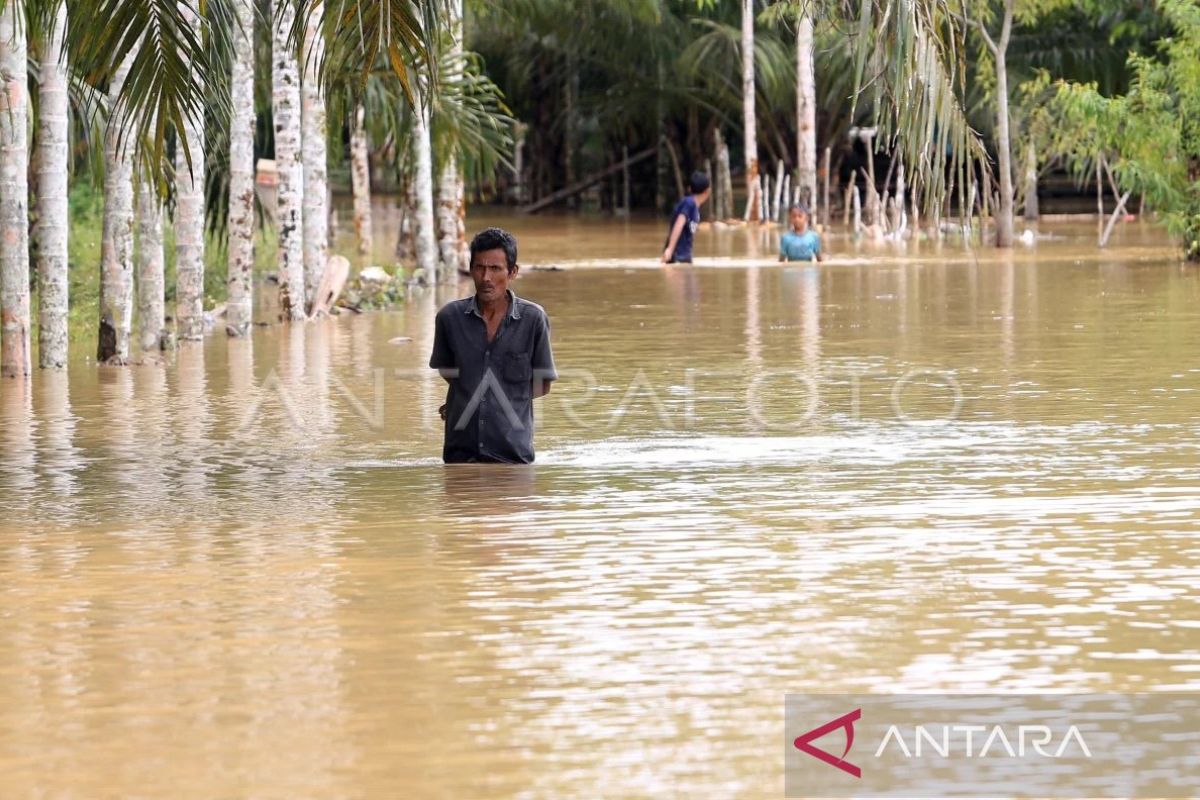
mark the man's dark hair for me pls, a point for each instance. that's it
(698, 183)
(495, 239)
(803, 209)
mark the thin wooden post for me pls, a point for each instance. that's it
(779, 175)
(857, 211)
(826, 216)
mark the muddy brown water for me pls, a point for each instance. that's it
(246, 573)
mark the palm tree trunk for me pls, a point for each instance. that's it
(51, 231)
(15, 357)
(151, 284)
(750, 131)
(189, 219)
(360, 178)
(285, 81)
(425, 238)
(1004, 216)
(116, 247)
(239, 311)
(452, 203)
(806, 113)
(316, 186)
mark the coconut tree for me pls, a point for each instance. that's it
(316, 188)
(749, 126)
(806, 107)
(285, 108)
(116, 248)
(52, 159)
(241, 173)
(14, 196)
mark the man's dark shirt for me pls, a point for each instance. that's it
(489, 405)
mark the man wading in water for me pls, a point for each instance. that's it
(494, 351)
(684, 220)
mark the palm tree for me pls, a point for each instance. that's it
(151, 281)
(451, 200)
(749, 127)
(116, 248)
(422, 146)
(285, 78)
(51, 230)
(189, 213)
(360, 178)
(14, 196)
(316, 187)
(806, 109)
(241, 174)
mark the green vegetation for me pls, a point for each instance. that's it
(87, 209)
(1150, 134)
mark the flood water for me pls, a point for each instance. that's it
(247, 573)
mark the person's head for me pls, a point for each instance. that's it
(798, 217)
(699, 187)
(493, 262)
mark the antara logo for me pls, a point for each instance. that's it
(942, 742)
(804, 744)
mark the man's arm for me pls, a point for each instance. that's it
(818, 257)
(442, 357)
(676, 232)
(543, 360)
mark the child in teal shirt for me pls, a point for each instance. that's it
(800, 243)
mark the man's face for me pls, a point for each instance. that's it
(489, 270)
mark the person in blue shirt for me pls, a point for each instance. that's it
(800, 243)
(684, 220)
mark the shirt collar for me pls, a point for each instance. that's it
(472, 306)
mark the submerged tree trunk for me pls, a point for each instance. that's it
(53, 168)
(1004, 215)
(724, 180)
(285, 96)
(240, 308)
(151, 284)
(116, 248)
(1031, 184)
(406, 244)
(570, 121)
(189, 221)
(316, 185)
(518, 192)
(452, 202)
(15, 357)
(360, 179)
(750, 131)
(423, 229)
(806, 114)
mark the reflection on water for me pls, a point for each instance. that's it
(247, 573)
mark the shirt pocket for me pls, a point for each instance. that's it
(517, 370)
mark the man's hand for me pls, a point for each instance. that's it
(666, 256)
(442, 411)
